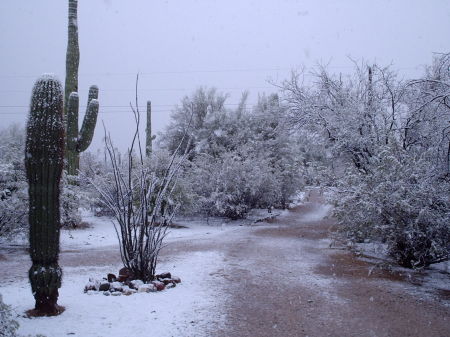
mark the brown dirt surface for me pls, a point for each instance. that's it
(288, 282)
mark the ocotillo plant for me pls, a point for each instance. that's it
(44, 161)
(76, 141)
(149, 137)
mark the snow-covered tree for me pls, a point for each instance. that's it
(238, 159)
(383, 143)
(13, 186)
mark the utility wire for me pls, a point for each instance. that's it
(112, 106)
(163, 72)
(159, 89)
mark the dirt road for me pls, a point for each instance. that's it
(284, 280)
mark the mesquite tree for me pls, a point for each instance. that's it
(77, 141)
(44, 159)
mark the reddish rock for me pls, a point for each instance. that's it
(163, 276)
(125, 274)
(166, 281)
(159, 285)
(111, 278)
(176, 279)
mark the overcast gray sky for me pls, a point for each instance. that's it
(177, 46)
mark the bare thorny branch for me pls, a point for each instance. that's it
(140, 202)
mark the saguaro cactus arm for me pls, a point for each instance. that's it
(72, 121)
(44, 159)
(87, 129)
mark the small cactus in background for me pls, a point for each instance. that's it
(44, 161)
(149, 137)
(77, 141)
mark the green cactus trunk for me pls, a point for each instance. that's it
(149, 137)
(44, 160)
(77, 141)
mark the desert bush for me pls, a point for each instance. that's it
(384, 153)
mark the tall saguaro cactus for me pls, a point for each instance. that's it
(44, 161)
(77, 141)
(149, 137)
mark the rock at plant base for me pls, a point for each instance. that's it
(93, 284)
(176, 279)
(89, 286)
(163, 276)
(135, 284)
(146, 288)
(104, 286)
(106, 293)
(116, 293)
(159, 285)
(125, 274)
(116, 286)
(171, 285)
(127, 291)
(111, 278)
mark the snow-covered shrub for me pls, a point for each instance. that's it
(385, 153)
(8, 326)
(181, 190)
(13, 216)
(94, 167)
(238, 159)
(70, 202)
(400, 205)
(140, 198)
(13, 186)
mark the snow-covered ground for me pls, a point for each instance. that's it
(181, 311)
(101, 232)
(225, 253)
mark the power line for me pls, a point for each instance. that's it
(255, 116)
(115, 106)
(158, 89)
(163, 72)
(195, 71)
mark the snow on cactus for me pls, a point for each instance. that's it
(44, 159)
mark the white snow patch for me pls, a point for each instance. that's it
(189, 309)
(101, 232)
(320, 212)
